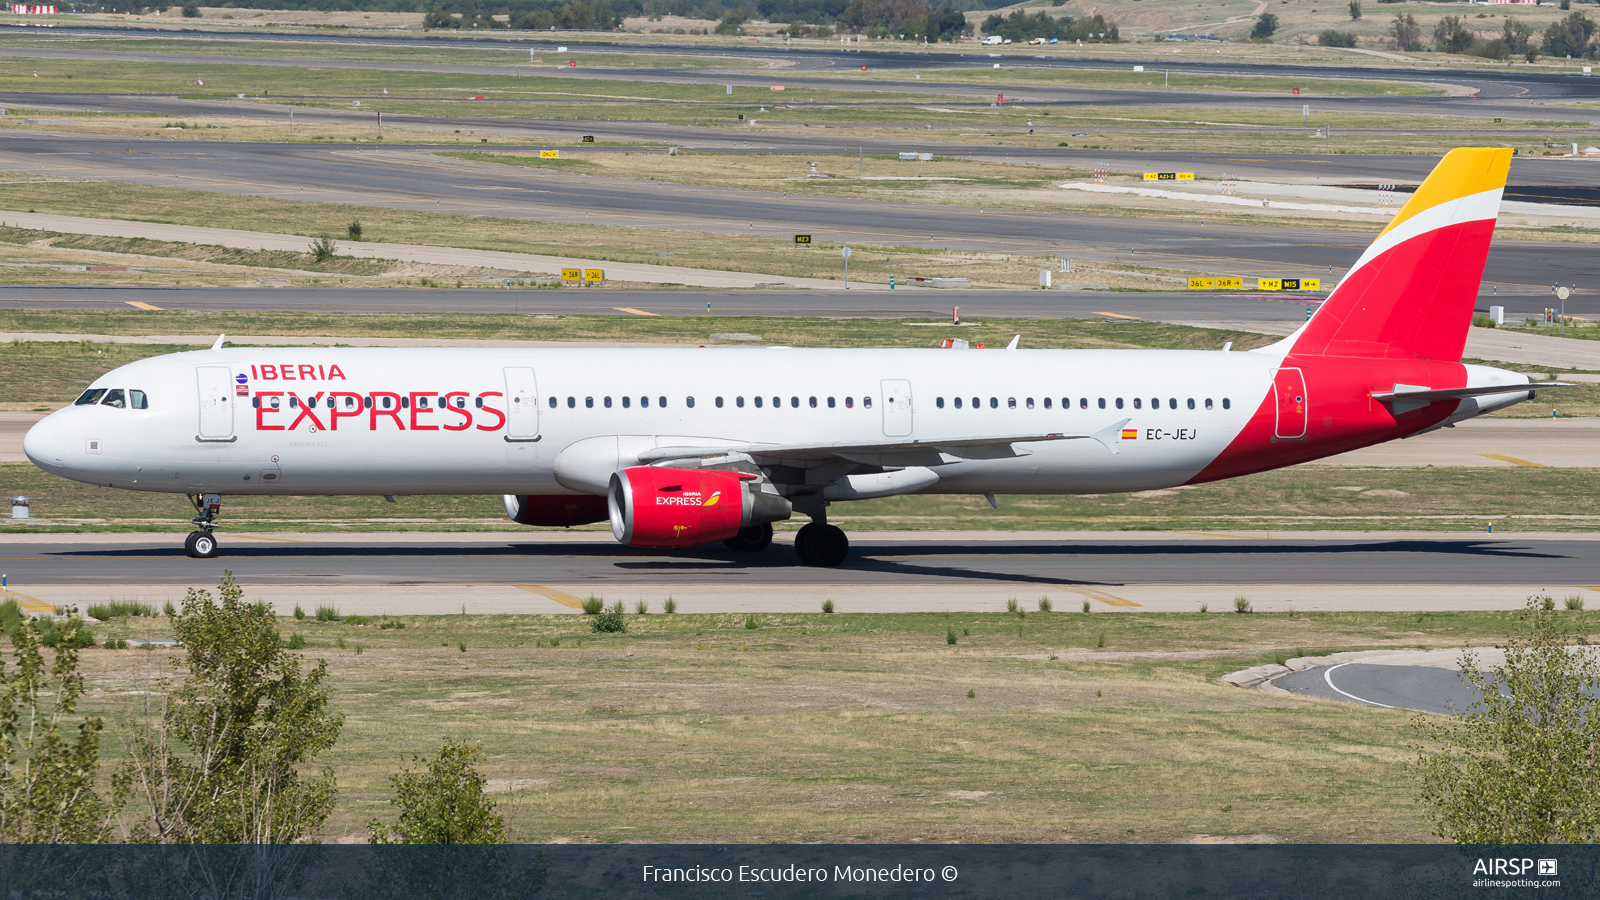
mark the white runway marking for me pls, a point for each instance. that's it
(1327, 675)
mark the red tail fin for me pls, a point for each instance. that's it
(1412, 293)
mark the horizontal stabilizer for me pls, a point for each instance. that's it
(1409, 394)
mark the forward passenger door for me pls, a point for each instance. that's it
(896, 408)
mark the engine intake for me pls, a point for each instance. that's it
(555, 509)
(660, 507)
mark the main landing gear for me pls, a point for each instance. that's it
(202, 544)
(820, 544)
(752, 539)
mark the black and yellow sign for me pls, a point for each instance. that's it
(1289, 284)
(802, 239)
(1220, 283)
(588, 139)
(1169, 176)
(594, 274)
(549, 154)
(571, 274)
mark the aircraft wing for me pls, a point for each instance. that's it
(924, 451)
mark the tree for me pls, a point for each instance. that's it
(1450, 35)
(1521, 768)
(49, 759)
(1570, 36)
(1266, 25)
(1334, 38)
(1407, 33)
(1355, 10)
(730, 24)
(191, 10)
(1518, 38)
(438, 18)
(444, 804)
(248, 717)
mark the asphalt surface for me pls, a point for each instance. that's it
(412, 178)
(1425, 688)
(1275, 311)
(1357, 560)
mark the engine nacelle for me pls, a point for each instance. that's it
(555, 509)
(659, 507)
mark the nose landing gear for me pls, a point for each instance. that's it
(202, 544)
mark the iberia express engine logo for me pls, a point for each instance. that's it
(690, 498)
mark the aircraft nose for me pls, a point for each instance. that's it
(45, 443)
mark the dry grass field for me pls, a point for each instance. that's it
(1053, 727)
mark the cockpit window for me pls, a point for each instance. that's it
(90, 397)
(114, 398)
(137, 400)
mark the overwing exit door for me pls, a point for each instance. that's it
(522, 405)
(215, 384)
(1290, 387)
(896, 408)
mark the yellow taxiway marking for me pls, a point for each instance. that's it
(251, 537)
(1103, 597)
(629, 309)
(31, 604)
(140, 304)
(1590, 587)
(561, 597)
(1513, 460)
(1117, 316)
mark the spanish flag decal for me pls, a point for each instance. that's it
(1130, 434)
(712, 500)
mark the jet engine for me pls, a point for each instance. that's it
(555, 509)
(660, 507)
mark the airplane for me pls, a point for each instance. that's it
(685, 447)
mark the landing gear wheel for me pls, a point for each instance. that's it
(802, 542)
(752, 539)
(828, 546)
(200, 545)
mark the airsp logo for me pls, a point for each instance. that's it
(1547, 867)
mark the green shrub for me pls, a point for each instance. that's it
(971, 693)
(353, 230)
(167, 609)
(1011, 605)
(593, 606)
(827, 607)
(120, 609)
(1482, 322)
(327, 613)
(1335, 38)
(462, 646)
(1044, 604)
(388, 625)
(1100, 641)
(323, 248)
(1241, 605)
(1085, 606)
(949, 635)
(750, 623)
(356, 620)
(298, 612)
(341, 644)
(296, 642)
(642, 607)
(1574, 602)
(115, 644)
(669, 607)
(612, 621)
(1547, 602)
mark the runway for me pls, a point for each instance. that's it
(412, 178)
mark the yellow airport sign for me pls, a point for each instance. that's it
(1202, 284)
(549, 154)
(1169, 176)
(571, 274)
(1269, 284)
(1311, 284)
(594, 274)
(1230, 284)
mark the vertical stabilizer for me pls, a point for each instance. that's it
(1412, 293)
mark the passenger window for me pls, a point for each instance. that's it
(1208, 403)
(255, 402)
(1155, 402)
(1226, 404)
(1191, 403)
(1103, 403)
(294, 402)
(938, 402)
(644, 402)
(607, 402)
(719, 403)
(1172, 403)
(1011, 403)
(1135, 403)
(830, 403)
(627, 402)
(687, 401)
(977, 402)
(1082, 404)
(1030, 403)
(866, 402)
(778, 401)
(367, 402)
(311, 402)
(136, 399)
(739, 402)
(958, 403)
(1119, 403)
(794, 402)
(813, 402)
(994, 402)
(588, 403)
(554, 402)
(849, 402)
(572, 403)
(1047, 404)
(405, 402)
(758, 402)
(114, 398)
(273, 402)
(350, 402)
(661, 402)
(461, 402)
(90, 397)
